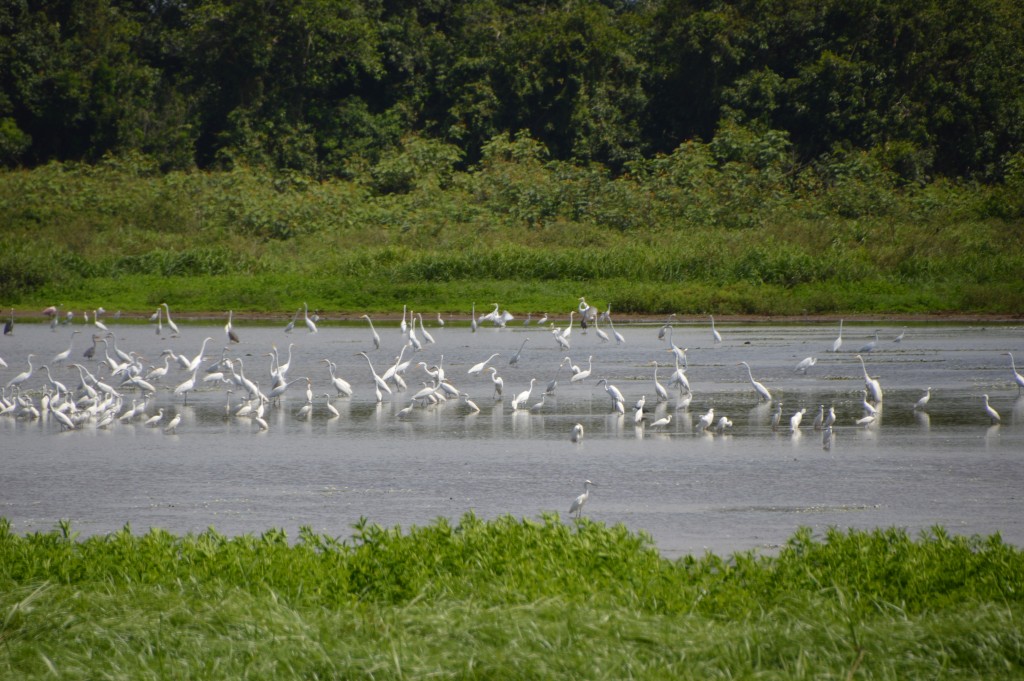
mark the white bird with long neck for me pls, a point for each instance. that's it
(585, 373)
(170, 323)
(872, 384)
(521, 398)
(660, 390)
(578, 502)
(480, 366)
(342, 386)
(992, 413)
(23, 376)
(838, 342)
(376, 336)
(762, 392)
(310, 324)
(377, 380)
(922, 404)
(1017, 378)
(229, 328)
(715, 336)
(61, 356)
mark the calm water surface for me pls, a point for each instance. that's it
(748, 488)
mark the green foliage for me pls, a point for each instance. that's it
(505, 598)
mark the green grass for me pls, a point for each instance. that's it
(533, 237)
(506, 598)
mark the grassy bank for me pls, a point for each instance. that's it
(505, 598)
(529, 234)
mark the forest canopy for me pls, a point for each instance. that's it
(331, 88)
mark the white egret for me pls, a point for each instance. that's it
(480, 366)
(521, 398)
(377, 380)
(537, 406)
(992, 413)
(229, 328)
(662, 422)
(612, 391)
(762, 392)
(173, 424)
(499, 383)
(473, 408)
(291, 325)
(23, 376)
(305, 412)
(868, 407)
(922, 404)
(870, 345)
(837, 343)
(156, 317)
(440, 322)
(330, 407)
(342, 386)
(170, 323)
(543, 320)
(97, 323)
(376, 336)
(899, 338)
(830, 418)
(187, 386)
(619, 340)
(683, 401)
(795, 419)
(776, 416)
(577, 433)
(659, 389)
(871, 384)
(866, 420)
(403, 326)
(529, 318)
(722, 424)
(310, 324)
(578, 502)
(193, 364)
(282, 369)
(585, 373)
(1017, 378)
(600, 334)
(680, 353)
(61, 356)
(826, 438)
(819, 420)
(715, 336)
(514, 359)
(805, 364)
(706, 420)
(426, 334)
(472, 318)
(280, 389)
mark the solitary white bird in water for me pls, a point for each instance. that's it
(578, 502)
(717, 337)
(839, 340)
(1017, 378)
(24, 375)
(795, 419)
(762, 392)
(577, 433)
(992, 413)
(922, 404)
(899, 338)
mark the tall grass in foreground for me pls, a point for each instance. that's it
(506, 598)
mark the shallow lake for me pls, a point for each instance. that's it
(692, 491)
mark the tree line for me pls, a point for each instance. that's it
(330, 88)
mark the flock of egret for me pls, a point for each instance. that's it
(119, 388)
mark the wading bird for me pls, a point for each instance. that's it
(992, 413)
(578, 502)
(577, 433)
(762, 392)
